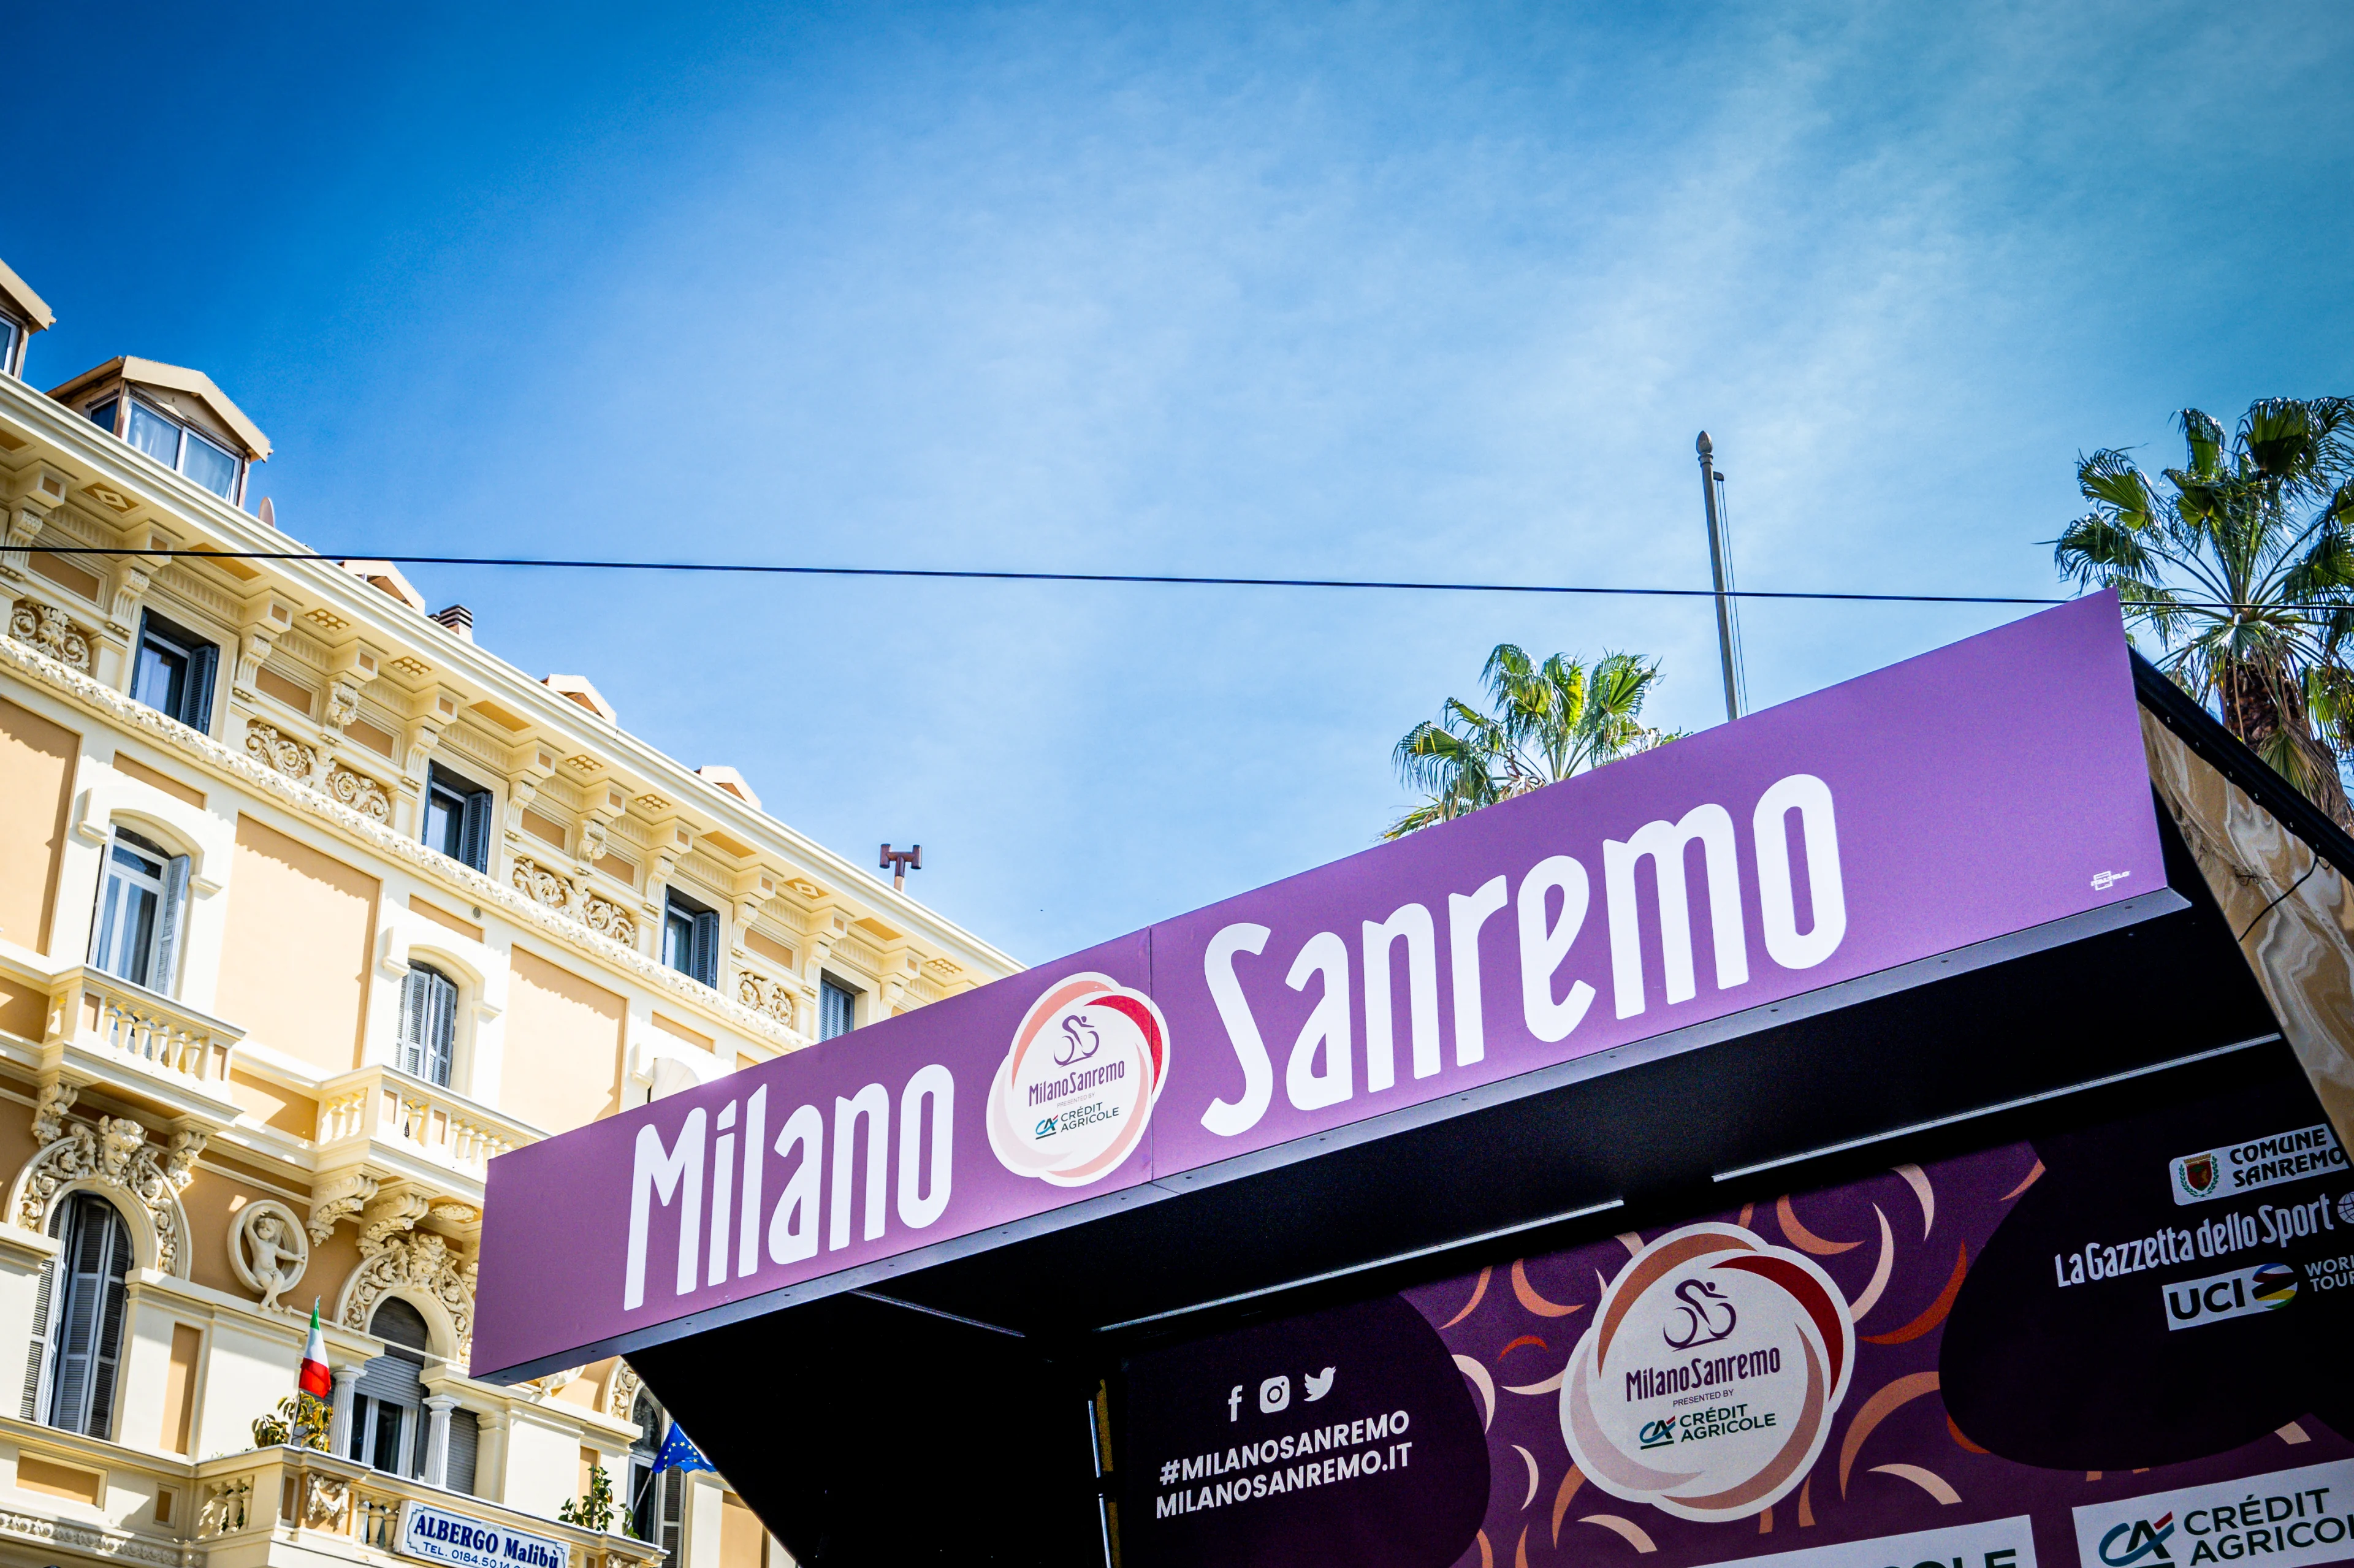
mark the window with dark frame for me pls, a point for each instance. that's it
(690, 938)
(173, 671)
(429, 1023)
(837, 1007)
(457, 818)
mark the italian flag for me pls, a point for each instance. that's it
(315, 1380)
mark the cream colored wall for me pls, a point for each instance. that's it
(294, 965)
(563, 1046)
(37, 766)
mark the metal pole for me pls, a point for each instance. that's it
(1707, 450)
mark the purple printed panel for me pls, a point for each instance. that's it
(1980, 791)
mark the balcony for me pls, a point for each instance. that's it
(403, 1127)
(252, 1505)
(103, 1028)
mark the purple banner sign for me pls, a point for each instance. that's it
(1984, 800)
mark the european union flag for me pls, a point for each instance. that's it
(679, 1453)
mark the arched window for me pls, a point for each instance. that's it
(655, 1502)
(388, 1406)
(141, 907)
(429, 1023)
(83, 1342)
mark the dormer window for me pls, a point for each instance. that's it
(180, 448)
(22, 314)
(176, 417)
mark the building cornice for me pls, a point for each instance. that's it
(103, 702)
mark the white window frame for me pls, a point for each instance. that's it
(159, 963)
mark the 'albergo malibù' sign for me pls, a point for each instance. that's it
(1974, 797)
(437, 1535)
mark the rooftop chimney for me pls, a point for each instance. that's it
(457, 618)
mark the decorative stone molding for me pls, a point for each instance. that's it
(268, 1250)
(113, 1157)
(622, 1392)
(331, 1201)
(50, 1115)
(256, 773)
(96, 1539)
(390, 1215)
(762, 994)
(325, 1499)
(554, 890)
(280, 752)
(420, 1261)
(48, 629)
(360, 792)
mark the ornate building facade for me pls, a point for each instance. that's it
(310, 906)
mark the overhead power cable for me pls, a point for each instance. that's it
(757, 569)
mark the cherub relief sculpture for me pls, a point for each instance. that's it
(269, 1250)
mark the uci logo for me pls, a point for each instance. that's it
(1657, 1434)
(2129, 1544)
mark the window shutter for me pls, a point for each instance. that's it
(202, 660)
(88, 1337)
(440, 1027)
(103, 1364)
(36, 1362)
(474, 830)
(706, 948)
(465, 1437)
(164, 973)
(413, 991)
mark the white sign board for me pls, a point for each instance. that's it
(437, 1535)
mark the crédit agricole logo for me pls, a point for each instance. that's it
(1077, 1089)
(1708, 1382)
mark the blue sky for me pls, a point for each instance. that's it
(1358, 290)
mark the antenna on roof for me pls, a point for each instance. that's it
(899, 862)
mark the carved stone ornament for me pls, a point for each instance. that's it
(360, 792)
(50, 1115)
(94, 1540)
(762, 994)
(333, 1199)
(113, 1157)
(418, 1264)
(552, 888)
(324, 1498)
(621, 1393)
(278, 751)
(46, 627)
(268, 1250)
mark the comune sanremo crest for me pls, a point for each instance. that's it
(1077, 1089)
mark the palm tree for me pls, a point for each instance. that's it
(2245, 570)
(1549, 720)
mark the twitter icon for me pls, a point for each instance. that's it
(1317, 1384)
